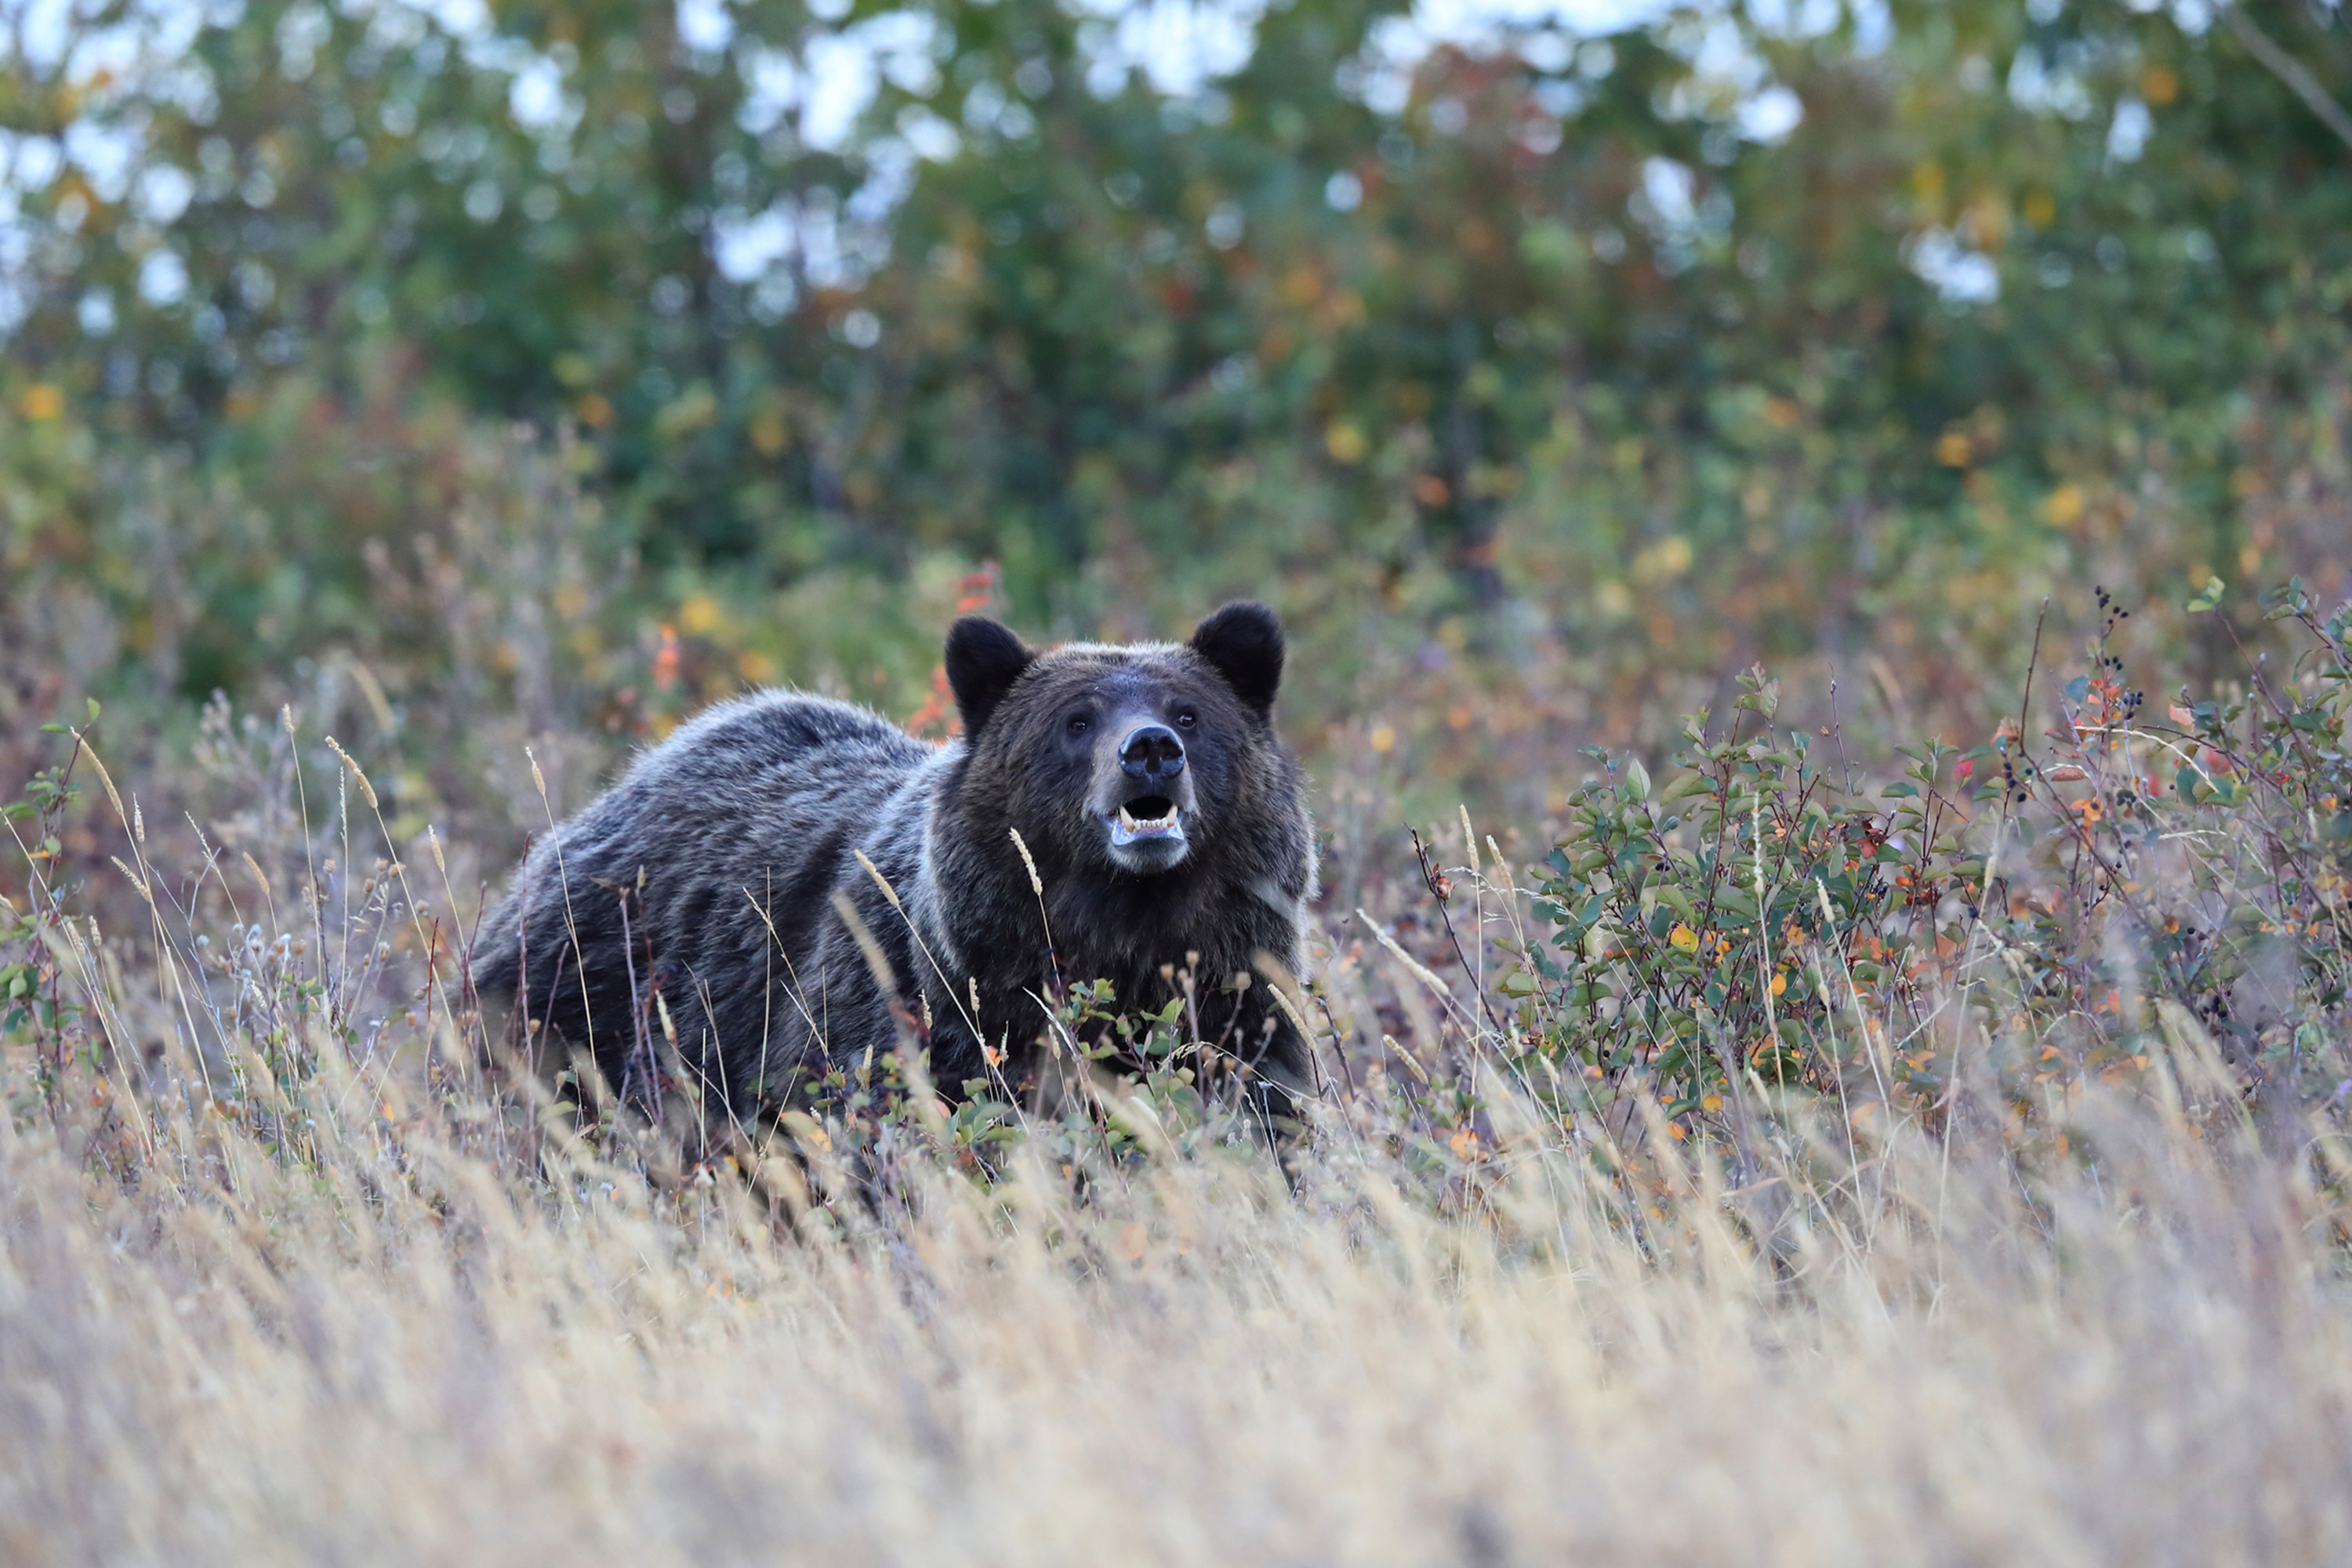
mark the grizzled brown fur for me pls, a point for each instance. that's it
(1165, 817)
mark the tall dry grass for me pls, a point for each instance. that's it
(390, 1352)
(286, 1274)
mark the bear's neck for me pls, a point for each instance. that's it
(1122, 927)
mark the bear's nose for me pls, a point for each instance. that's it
(1151, 753)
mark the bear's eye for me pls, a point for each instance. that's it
(1187, 719)
(1080, 723)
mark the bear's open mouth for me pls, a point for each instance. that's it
(1145, 820)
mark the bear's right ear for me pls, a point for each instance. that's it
(984, 661)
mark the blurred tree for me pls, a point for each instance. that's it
(1746, 330)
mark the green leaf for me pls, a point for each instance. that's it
(1685, 785)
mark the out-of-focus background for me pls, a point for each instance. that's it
(473, 377)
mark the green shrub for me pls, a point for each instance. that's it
(1758, 921)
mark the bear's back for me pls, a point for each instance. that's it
(727, 839)
(752, 736)
(746, 788)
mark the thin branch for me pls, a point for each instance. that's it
(2288, 69)
(1440, 889)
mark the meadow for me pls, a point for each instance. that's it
(1799, 1159)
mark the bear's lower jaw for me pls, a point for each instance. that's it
(1148, 834)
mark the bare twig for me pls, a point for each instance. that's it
(1442, 890)
(2275, 60)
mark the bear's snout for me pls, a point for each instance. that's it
(1144, 785)
(1151, 754)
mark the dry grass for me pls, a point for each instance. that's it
(281, 1279)
(391, 1353)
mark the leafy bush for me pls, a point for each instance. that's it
(1758, 921)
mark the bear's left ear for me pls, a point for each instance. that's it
(1242, 642)
(984, 661)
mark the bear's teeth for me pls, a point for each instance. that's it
(1126, 819)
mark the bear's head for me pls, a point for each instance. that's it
(1137, 758)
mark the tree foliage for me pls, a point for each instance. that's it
(1885, 314)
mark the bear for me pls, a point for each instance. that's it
(788, 883)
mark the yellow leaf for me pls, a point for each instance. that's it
(2064, 505)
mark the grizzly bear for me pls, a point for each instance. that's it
(716, 893)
